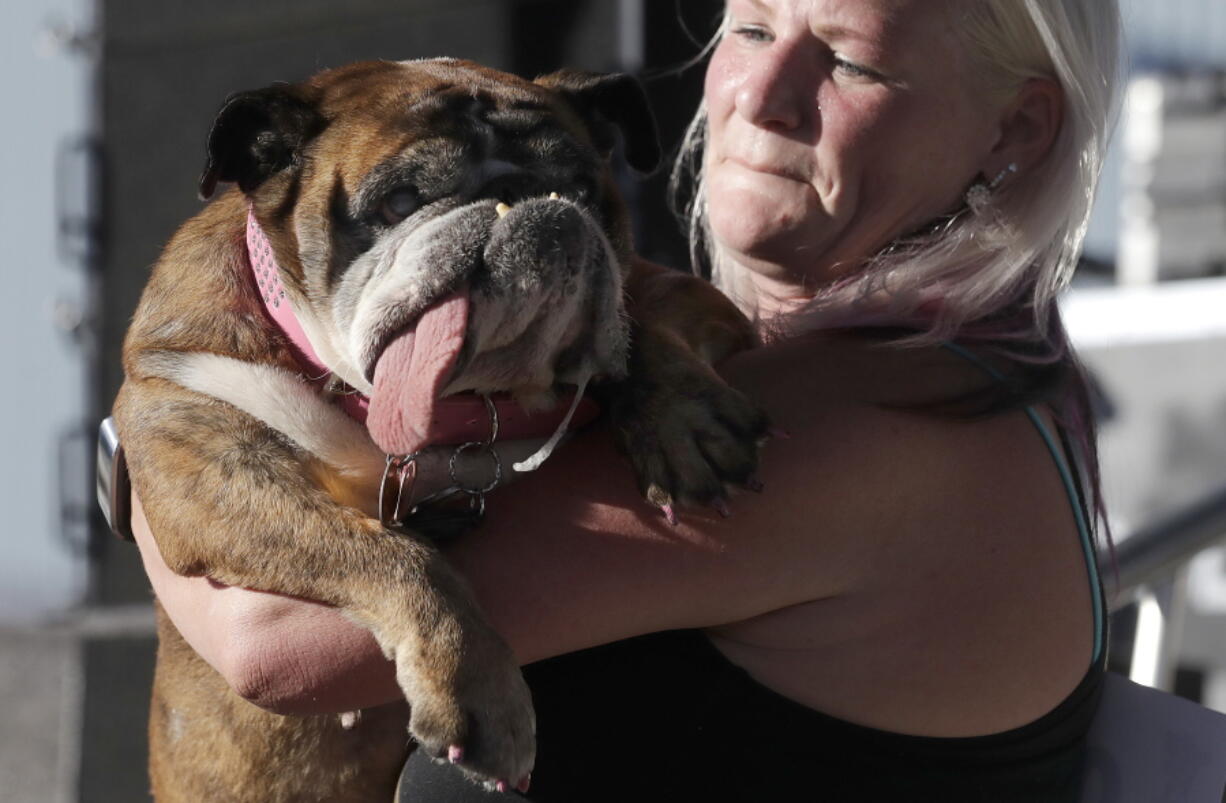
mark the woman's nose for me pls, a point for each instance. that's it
(774, 93)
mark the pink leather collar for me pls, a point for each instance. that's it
(462, 418)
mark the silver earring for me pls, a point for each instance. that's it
(1002, 175)
(979, 196)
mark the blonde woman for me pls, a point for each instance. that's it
(895, 191)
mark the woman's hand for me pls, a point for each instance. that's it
(288, 655)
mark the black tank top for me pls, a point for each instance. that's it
(666, 717)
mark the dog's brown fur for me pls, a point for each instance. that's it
(228, 497)
(191, 459)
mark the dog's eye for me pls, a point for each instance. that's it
(398, 205)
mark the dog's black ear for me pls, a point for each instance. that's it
(257, 134)
(612, 102)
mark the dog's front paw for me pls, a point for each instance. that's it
(470, 705)
(688, 434)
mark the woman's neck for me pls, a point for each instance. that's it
(766, 294)
(780, 303)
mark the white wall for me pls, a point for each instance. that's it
(45, 100)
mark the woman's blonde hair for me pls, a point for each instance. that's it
(1004, 263)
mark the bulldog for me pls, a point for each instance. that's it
(404, 241)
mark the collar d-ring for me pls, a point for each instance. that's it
(396, 489)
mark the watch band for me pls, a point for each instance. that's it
(112, 483)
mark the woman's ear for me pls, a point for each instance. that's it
(1029, 125)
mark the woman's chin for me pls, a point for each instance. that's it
(754, 221)
(764, 238)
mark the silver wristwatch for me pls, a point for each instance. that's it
(113, 486)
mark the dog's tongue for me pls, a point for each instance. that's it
(410, 374)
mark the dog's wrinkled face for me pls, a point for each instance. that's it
(442, 225)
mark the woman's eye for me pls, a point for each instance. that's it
(753, 33)
(398, 205)
(853, 70)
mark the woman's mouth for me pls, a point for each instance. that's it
(779, 169)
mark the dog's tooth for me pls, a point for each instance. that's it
(502, 209)
(553, 196)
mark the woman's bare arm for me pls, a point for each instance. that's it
(289, 655)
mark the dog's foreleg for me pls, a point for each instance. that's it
(229, 498)
(687, 433)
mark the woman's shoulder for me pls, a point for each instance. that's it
(854, 401)
(882, 470)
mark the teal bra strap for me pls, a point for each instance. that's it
(1070, 487)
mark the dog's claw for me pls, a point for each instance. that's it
(754, 484)
(501, 786)
(524, 783)
(455, 754)
(670, 515)
(721, 507)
